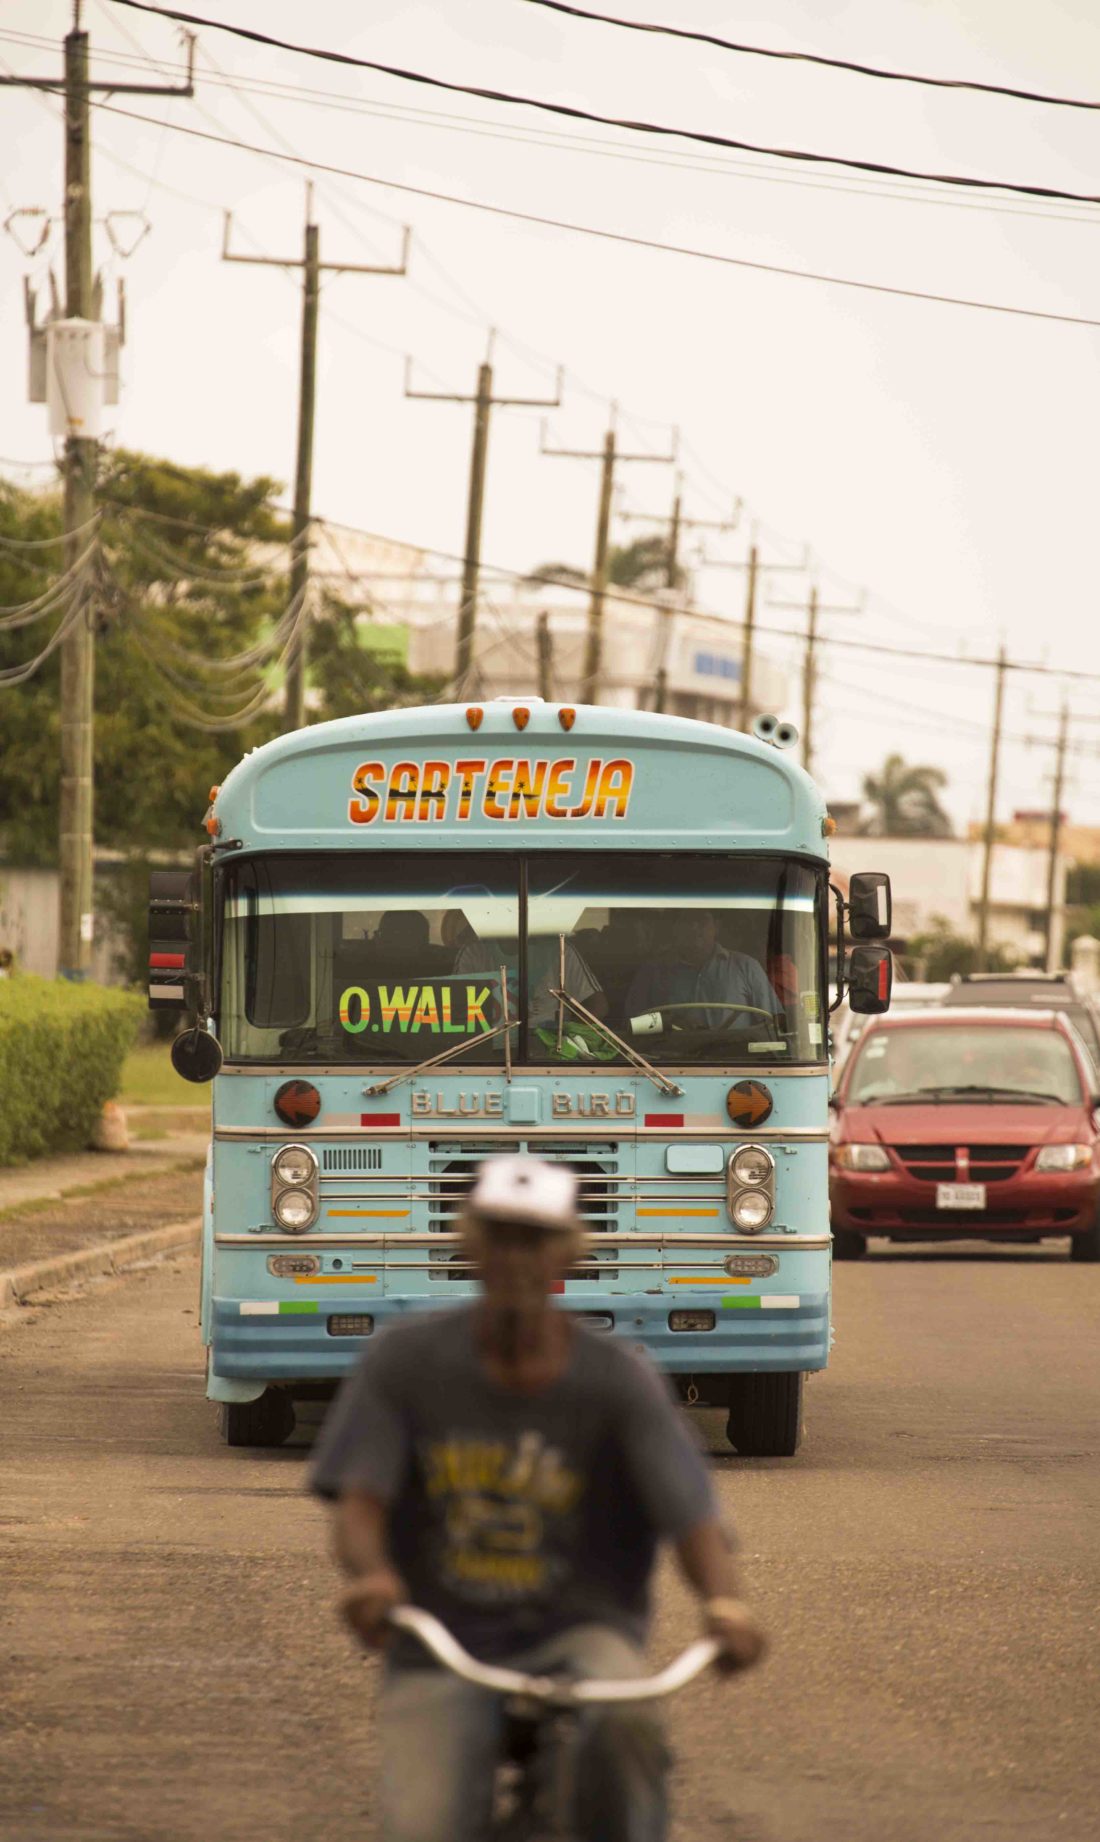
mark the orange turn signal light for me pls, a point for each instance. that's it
(213, 824)
(567, 717)
(828, 827)
(521, 716)
(213, 794)
(475, 716)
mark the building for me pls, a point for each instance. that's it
(1080, 843)
(941, 879)
(410, 608)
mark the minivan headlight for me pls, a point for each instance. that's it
(1064, 1157)
(861, 1157)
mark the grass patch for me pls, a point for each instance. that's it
(82, 1191)
(149, 1079)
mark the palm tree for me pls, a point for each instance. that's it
(903, 802)
(641, 566)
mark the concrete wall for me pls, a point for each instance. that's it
(29, 903)
(942, 877)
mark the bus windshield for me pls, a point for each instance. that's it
(388, 957)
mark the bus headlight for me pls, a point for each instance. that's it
(295, 1164)
(751, 1210)
(753, 1166)
(750, 1188)
(294, 1210)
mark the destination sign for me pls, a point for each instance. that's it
(427, 792)
(436, 1008)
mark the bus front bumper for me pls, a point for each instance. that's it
(261, 1343)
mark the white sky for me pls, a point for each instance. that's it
(943, 458)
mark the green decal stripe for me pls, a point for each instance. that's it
(740, 1304)
(296, 1307)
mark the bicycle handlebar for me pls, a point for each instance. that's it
(553, 1691)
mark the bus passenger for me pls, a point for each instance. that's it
(702, 974)
(543, 973)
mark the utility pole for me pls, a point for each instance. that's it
(76, 836)
(546, 657)
(754, 565)
(815, 607)
(1055, 834)
(677, 524)
(312, 269)
(990, 810)
(484, 403)
(610, 455)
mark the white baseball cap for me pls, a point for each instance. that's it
(525, 1190)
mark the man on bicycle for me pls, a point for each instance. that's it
(514, 1474)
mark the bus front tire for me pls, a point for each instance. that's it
(268, 1421)
(765, 1415)
(848, 1245)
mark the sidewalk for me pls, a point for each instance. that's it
(67, 1219)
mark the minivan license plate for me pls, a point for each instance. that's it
(960, 1195)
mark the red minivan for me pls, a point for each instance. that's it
(958, 1124)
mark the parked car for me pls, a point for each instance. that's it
(907, 995)
(1048, 991)
(955, 1123)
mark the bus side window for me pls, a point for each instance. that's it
(278, 994)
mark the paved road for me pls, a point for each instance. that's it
(170, 1670)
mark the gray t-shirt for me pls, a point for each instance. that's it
(514, 1517)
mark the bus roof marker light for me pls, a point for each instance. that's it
(521, 716)
(475, 716)
(567, 717)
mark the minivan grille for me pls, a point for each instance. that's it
(988, 1163)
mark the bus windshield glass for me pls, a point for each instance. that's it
(689, 959)
(385, 957)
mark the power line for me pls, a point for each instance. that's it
(607, 236)
(590, 146)
(811, 57)
(404, 75)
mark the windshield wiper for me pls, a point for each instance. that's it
(987, 1089)
(1010, 1093)
(662, 1081)
(446, 1055)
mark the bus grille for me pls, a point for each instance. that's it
(452, 1169)
(351, 1157)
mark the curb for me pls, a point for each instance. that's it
(94, 1262)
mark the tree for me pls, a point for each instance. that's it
(191, 573)
(347, 676)
(903, 802)
(641, 566)
(178, 590)
(940, 954)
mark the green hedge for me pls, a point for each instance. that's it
(61, 1052)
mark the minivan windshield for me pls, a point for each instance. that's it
(960, 1061)
(389, 957)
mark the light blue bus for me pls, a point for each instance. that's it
(422, 937)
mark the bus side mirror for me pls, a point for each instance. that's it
(196, 1055)
(870, 906)
(870, 980)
